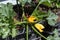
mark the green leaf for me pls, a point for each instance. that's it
(6, 20)
(45, 1)
(39, 15)
(52, 18)
(14, 32)
(29, 1)
(58, 5)
(55, 36)
(51, 22)
(23, 1)
(47, 4)
(4, 24)
(5, 32)
(50, 38)
(55, 33)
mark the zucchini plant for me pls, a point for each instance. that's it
(8, 22)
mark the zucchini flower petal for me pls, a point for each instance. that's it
(32, 19)
(40, 27)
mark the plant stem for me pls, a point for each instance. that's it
(39, 33)
(27, 32)
(36, 7)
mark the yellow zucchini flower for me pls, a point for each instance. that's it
(31, 19)
(40, 27)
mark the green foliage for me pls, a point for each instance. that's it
(8, 25)
(40, 15)
(52, 18)
(6, 21)
(24, 1)
(50, 3)
(58, 5)
(55, 36)
(14, 32)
